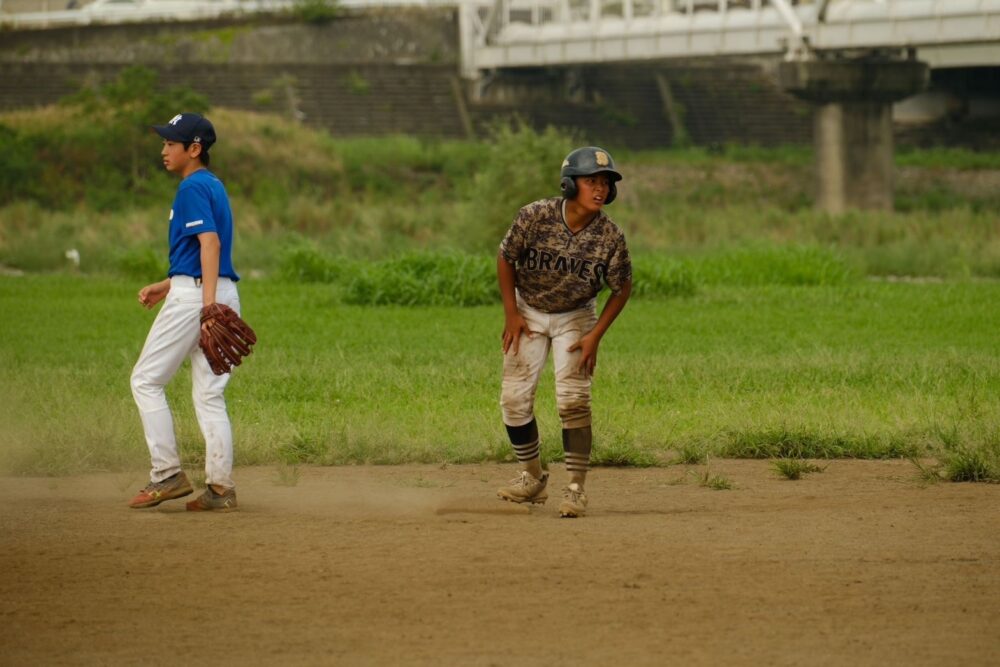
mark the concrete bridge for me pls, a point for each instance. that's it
(852, 59)
(533, 33)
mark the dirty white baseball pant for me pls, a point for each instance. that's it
(521, 371)
(172, 339)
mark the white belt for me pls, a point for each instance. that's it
(191, 281)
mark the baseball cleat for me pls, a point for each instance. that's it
(525, 489)
(574, 502)
(210, 501)
(175, 486)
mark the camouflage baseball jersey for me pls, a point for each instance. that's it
(558, 271)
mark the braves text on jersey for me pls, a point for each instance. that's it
(557, 270)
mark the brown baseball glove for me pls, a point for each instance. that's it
(226, 339)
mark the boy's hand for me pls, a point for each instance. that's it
(512, 330)
(588, 352)
(150, 295)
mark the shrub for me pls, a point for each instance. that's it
(304, 263)
(396, 166)
(425, 279)
(518, 165)
(316, 12)
(19, 169)
(99, 150)
(961, 463)
(968, 464)
(357, 84)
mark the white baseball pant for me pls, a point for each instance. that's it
(521, 371)
(173, 338)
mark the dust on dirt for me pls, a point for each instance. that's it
(859, 564)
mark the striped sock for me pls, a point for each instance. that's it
(576, 445)
(525, 441)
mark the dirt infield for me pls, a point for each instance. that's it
(858, 564)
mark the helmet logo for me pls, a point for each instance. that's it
(565, 163)
(601, 158)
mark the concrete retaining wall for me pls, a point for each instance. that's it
(653, 104)
(401, 36)
(345, 99)
(382, 72)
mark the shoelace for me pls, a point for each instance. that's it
(521, 480)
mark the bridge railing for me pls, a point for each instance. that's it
(504, 23)
(522, 33)
(530, 12)
(538, 12)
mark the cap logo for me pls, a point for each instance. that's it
(176, 119)
(601, 158)
(196, 140)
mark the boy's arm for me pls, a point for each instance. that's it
(514, 324)
(590, 341)
(150, 295)
(613, 308)
(211, 247)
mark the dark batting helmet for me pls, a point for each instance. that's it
(588, 161)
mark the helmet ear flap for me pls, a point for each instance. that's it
(568, 187)
(612, 192)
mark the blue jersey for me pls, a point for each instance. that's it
(201, 205)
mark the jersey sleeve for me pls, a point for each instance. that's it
(619, 266)
(193, 210)
(514, 243)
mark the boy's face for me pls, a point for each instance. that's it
(176, 159)
(592, 191)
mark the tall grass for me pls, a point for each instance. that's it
(752, 332)
(793, 469)
(424, 280)
(868, 370)
(946, 158)
(460, 279)
(91, 149)
(86, 175)
(769, 264)
(798, 443)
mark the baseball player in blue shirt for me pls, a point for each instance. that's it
(201, 273)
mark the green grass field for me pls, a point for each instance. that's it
(860, 369)
(759, 327)
(299, 190)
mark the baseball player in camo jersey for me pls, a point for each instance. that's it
(556, 257)
(201, 273)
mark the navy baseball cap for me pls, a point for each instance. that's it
(188, 128)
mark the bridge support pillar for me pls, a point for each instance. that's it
(852, 134)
